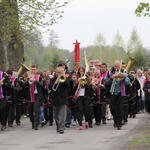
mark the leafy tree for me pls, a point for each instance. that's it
(100, 43)
(136, 50)
(53, 38)
(118, 46)
(33, 48)
(141, 57)
(55, 60)
(134, 41)
(143, 9)
(46, 61)
(2, 50)
(23, 14)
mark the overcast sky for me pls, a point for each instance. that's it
(85, 19)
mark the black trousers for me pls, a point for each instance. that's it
(34, 111)
(2, 111)
(116, 108)
(91, 114)
(48, 114)
(83, 109)
(125, 111)
(147, 101)
(9, 113)
(18, 112)
(74, 113)
(100, 112)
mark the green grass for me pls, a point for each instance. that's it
(141, 139)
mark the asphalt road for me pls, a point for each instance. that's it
(104, 137)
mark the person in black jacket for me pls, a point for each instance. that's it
(84, 94)
(59, 98)
(146, 89)
(4, 84)
(10, 95)
(34, 94)
(117, 80)
(69, 92)
(48, 110)
(18, 83)
(134, 103)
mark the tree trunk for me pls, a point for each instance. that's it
(2, 50)
(15, 45)
(15, 52)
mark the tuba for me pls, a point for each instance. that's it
(22, 70)
(132, 62)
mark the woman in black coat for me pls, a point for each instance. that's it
(146, 89)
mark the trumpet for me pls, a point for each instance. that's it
(31, 77)
(60, 79)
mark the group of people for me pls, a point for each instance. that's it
(94, 96)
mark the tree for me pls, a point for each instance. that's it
(136, 50)
(53, 38)
(2, 49)
(55, 60)
(118, 46)
(141, 57)
(27, 15)
(33, 47)
(143, 9)
(100, 43)
(134, 41)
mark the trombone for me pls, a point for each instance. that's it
(60, 79)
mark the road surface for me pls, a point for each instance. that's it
(104, 137)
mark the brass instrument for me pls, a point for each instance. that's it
(132, 62)
(118, 75)
(60, 79)
(31, 79)
(22, 70)
(83, 80)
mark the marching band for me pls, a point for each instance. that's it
(69, 98)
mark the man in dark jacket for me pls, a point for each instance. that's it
(4, 84)
(34, 85)
(58, 89)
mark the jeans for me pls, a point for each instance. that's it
(69, 116)
(42, 114)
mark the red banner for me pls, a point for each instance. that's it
(76, 52)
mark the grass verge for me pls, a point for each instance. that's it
(140, 141)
